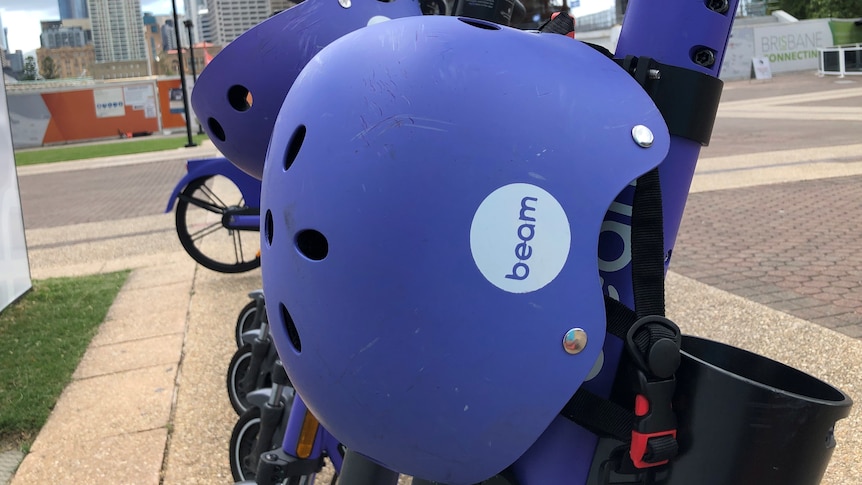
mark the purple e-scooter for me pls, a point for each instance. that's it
(686, 410)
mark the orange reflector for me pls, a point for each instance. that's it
(307, 435)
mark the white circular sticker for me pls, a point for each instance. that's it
(520, 238)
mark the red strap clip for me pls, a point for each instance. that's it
(639, 447)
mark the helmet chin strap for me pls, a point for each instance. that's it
(640, 414)
(688, 101)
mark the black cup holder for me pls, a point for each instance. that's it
(742, 419)
(746, 419)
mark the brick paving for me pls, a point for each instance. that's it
(96, 195)
(732, 136)
(794, 247)
(758, 131)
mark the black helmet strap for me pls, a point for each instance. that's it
(652, 343)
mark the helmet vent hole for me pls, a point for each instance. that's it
(290, 326)
(216, 129)
(267, 227)
(293, 147)
(479, 23)
(312, 244)
(239, 97)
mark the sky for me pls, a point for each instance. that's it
(21, 18)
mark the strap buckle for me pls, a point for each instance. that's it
(641, 448)
(653, 343)
(617, 470)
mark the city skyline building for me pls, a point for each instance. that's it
(207, 29)
(281, 5)
(16, 60)
(50, 24)
(153, 39)
(196, 10)
(230, 18)
(169, 38)
(68, 43)
(118, 30)
(83, 24)
(54, 38)
(73, 9)
(69, 61)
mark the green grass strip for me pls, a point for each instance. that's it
(42, 339)
(96, 150)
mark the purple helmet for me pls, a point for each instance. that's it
(238, 95)
(433, 197)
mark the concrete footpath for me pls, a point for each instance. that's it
(148, 404)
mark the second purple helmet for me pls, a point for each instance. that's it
(238, 96)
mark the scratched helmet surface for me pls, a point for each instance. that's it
(430, 234)
(239, 93)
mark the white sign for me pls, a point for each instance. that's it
(136, 96)
(792, 47)
(14, 265)
(150, 108)
(109, 102)
(760, 66)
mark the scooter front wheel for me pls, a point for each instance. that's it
(236, 371)
(200, 213)
(246, 321)
(243, 442)
(239, 384)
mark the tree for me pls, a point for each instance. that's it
(49, 69)
(29, 69)
(813, 9)
(798, 8)
(840, 9)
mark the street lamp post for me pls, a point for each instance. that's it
(189, 25)
(191, 142)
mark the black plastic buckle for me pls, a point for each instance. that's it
(619, 470)
(275, 466)
(654, 430)
(662, 358)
